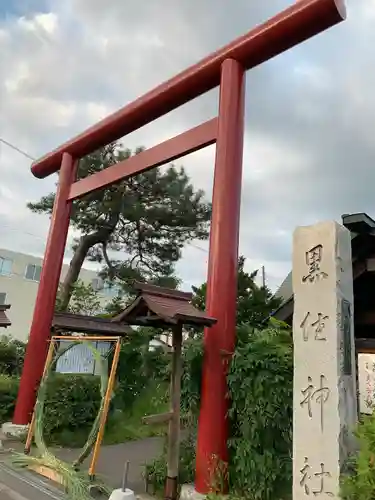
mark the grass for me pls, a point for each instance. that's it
(128, 426)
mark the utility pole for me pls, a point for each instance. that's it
(263, 277)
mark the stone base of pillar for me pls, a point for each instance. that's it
(14, 431)
(188, 492)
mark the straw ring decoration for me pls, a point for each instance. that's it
(75, 484)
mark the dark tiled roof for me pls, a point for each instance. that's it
(157, 306)
(88, 324)
(4, 320)
(359, 224)
(285, 290)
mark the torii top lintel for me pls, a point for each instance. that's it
(299, 22)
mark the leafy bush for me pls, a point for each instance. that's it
(136, 368)
(260, 384)
(131, 377)
(127, 425)
(73, 400)
(72, 404)
(358, 479)
(157, 365)
(12, 353)
(8, 396)
(156, 471)
(261, 390)
(191, 376)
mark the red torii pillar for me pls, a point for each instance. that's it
(226, 67)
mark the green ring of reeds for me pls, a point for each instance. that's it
(75, 484)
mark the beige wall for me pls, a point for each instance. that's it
(21, 292)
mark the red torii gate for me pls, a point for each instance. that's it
(226, 67)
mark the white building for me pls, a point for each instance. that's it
(19, 280)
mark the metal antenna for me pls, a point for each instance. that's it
(125, 476)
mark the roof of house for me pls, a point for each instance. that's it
(361, 227)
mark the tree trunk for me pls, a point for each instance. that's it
(85, 243)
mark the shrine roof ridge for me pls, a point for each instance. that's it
(159, 306)
(162, 291)
(362, 228)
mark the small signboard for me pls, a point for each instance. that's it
(80, 358)
(366, 379)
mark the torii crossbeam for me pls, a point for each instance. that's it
(226, 67)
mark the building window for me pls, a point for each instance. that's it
(33, 272)
(111, 290)
(97, 284)
(3, 297)
(5, 267)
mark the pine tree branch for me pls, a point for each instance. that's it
(111, 269)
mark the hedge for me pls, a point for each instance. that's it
(8, 396)
(12, 354)
(260, 383)
(71, 407)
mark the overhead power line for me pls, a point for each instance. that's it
(16, 148)
(11, 228)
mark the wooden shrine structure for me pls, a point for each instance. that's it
(155, 307)
(362, 228)
(170, 309)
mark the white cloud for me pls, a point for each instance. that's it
(310, 112)
(40, 24)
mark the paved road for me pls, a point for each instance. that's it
(28, 486)
(112, 460)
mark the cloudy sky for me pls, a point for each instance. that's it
(310, 114)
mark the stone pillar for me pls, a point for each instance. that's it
(325, 404)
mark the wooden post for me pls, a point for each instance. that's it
(173, 453)
(107, 400)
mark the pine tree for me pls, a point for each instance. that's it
(136, 228)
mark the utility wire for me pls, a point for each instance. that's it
(15, 148)
(10, 228)
(19, 150)
(43, 238)
(198, 247)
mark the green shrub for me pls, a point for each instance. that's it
(260, 384)
(157, 364)
(73, 400)
(71, 407)
(261, 415)
(358, 476)
(156, 471)
(12, 353)
(131, 376)
(127, 425)
(191, 375)
(136, 368)
(8, 396)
